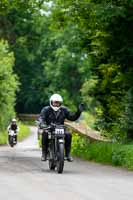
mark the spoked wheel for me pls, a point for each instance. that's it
(60, 158)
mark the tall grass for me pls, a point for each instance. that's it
(24, 131)
(103, 152)
(3, 138)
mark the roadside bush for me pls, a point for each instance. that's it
(103, 152)
(3, 138)
(8, 85)
(89, 119)
(24, 131)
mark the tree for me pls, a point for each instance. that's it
(8, 84)
(107, 38)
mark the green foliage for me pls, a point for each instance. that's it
(87, 92)
(19, 21)
(89, 119)
(97, 151)
(122, 156)
(103, 152)
(107, 38)
(3, 138)
(80, 49)
(24, 131)
(128, 114)
(8, 84)
(37, 55)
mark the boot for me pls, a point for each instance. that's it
(44, 156)
(68, 157)
(44, 151)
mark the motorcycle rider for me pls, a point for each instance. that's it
(56, 113)
(14, 127)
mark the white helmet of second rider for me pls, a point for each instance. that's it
(55, 98)
(14, 120)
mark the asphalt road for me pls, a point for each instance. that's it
(24, 177)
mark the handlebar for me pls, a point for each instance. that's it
(51, 126)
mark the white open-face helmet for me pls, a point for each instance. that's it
(55, 98)
(14, 120)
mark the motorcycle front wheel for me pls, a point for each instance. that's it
(11, 141)
(60, 158)
(52, 165)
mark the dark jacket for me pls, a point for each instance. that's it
(13, 127)
(48, 115)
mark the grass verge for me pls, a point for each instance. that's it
(24, 131)
(3, 138)
(103, 152)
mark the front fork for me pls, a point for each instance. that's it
(57, 142)
(54, 148)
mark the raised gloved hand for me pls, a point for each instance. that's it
(81, 107)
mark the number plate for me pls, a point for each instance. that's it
(59, 131)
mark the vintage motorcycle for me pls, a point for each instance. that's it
(55, 156)
(12, 138)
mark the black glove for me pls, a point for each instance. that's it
(81, 107)
(42, 125)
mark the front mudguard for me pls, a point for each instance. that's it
(61, 141)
